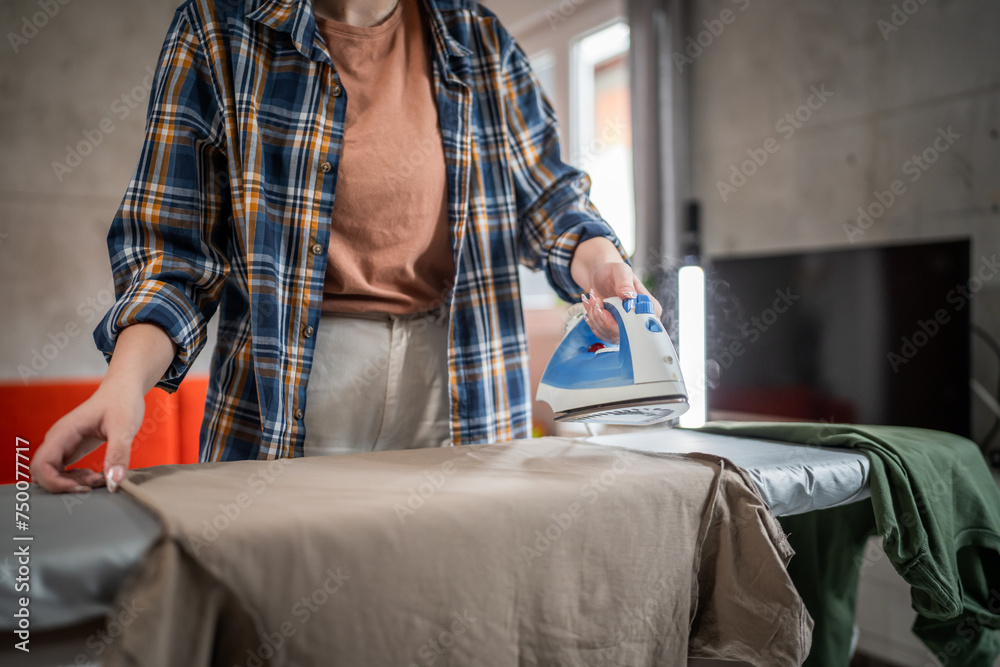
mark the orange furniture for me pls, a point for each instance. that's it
(169, 432)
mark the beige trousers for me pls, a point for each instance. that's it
(378, 382)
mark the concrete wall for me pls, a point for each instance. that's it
(869, 86)
(80, 80)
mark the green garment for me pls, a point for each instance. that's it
(937, 508)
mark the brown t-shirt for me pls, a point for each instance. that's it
(390, 249)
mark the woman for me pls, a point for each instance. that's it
(351, 184)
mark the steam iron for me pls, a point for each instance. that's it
(635, 382)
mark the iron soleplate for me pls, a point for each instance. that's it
(636, 412)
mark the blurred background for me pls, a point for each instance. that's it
(737, 134)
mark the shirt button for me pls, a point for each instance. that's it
(317, 249)
(325, 167)
(336, 91)
(308, 332)
(299, 414)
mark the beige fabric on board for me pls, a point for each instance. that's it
(536, 552)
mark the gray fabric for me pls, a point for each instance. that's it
(792, 479)
(83, 548)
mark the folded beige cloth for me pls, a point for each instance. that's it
(536, 552)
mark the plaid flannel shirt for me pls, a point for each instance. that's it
(229, 209)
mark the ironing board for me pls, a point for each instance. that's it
(85, 546)
(792, 479)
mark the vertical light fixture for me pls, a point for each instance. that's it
(691, 342)
(691, 323)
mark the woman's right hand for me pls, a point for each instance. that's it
(113, 414)
(143, 353)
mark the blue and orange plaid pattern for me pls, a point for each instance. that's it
(229, 209)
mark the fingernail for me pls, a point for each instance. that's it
(114, 477)
(81, 489)
(630, 295)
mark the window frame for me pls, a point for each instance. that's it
(552, 35)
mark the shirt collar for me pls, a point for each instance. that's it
(296, 18)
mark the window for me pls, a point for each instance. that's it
(581, 60)
(601, 126)
(544, 66)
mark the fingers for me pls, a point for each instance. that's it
(110, 415)
(79, 480)
(54, 480)
(87, 477)
(642, 290)
(613, 279)
(48, 464)
(624, 281)
(120, 435)
(601, 322)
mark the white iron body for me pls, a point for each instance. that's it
(635, 382)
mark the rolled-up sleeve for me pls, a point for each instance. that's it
(167, 242)
(554, 210)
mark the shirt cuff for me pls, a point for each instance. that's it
(557, 266)
(163, 304)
